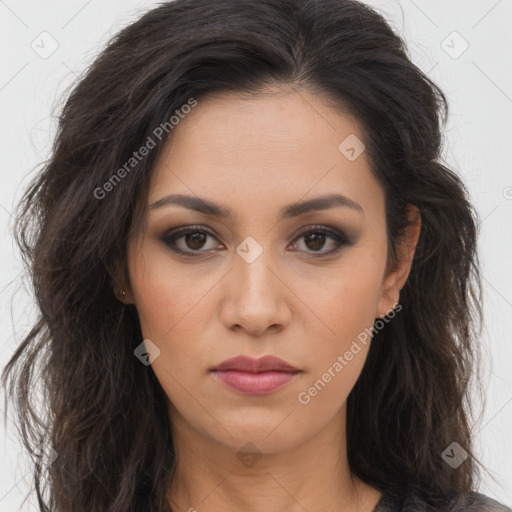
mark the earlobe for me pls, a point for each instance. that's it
(400, 268)
(119, 292)
(119, 287)
(122, 295)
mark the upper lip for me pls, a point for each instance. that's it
(250, 364)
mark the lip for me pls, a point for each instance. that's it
(255, 365)
(255, 376)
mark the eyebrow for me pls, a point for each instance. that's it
(208, 207)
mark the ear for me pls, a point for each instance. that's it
(398, 270)
(120, 284)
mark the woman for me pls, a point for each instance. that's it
(257, 283)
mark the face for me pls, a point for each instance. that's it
(268, 277)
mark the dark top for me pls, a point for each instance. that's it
(463, 502)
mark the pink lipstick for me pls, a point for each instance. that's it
(255, 376)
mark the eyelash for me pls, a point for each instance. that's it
(338, 236)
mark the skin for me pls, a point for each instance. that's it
(254, 155)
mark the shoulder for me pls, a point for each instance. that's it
(475, 502)
(461, 502)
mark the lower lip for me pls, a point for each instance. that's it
(254, 383)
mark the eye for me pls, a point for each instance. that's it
(193, 239)
(315, 239)
(188, 240)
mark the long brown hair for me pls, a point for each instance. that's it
(105, 413)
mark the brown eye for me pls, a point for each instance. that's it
(189, 240)
(195, 240)
(315, 239)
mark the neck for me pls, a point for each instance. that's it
(211, 476)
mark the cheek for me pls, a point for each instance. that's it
(167, 297)
(353, 305)
(347, 297)
(168, 310)
(347, 304)
(168, 305)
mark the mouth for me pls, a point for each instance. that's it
(254, 383)
(251, 376)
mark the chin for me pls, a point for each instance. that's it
(268, 432)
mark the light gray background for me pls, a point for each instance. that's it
(478, 84)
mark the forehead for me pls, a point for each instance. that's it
(275, 147)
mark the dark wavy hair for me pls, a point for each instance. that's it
(104, 413)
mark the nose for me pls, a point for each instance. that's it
(256, 298)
